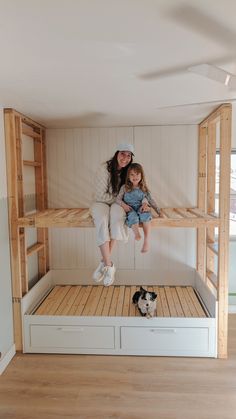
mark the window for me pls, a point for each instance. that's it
(232, 215)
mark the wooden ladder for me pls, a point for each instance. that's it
(18, 127)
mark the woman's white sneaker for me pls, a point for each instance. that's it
(99, 273)
(109, 276)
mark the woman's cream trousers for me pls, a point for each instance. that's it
(109, 220)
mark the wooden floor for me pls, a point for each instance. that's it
(122, 387)
(117, 301)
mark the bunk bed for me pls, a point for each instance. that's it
(54, 317)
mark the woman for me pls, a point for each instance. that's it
(109, 217)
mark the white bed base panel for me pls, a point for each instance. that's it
(120, 335)
(195, 337)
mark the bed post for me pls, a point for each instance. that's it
(201, 231)
(206, 246)
(224, 208)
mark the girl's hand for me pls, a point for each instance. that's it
(126, 207)
(145, 207)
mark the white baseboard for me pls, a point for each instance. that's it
(7, 358)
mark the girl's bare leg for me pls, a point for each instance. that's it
(135, 229)
(106, 253)
(146, 231)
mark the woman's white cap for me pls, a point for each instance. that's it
(125, 147)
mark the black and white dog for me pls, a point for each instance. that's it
(146, 302)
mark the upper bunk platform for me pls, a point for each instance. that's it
(80, 217)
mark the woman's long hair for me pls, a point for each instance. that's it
(117, 177)
(137, 168)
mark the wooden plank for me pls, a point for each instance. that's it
(34, 248)
(31, 163)
(66, 217)
(42, 309)
(132, 308)
(171, 304)
(177, 303)
(23, 265)
(171, 213)
(30, 132)
(58, 300)
(112, 311)
(101, 302)
(159, 304)
(16, 308)
(68, 301)
(127, 301)
(12, 187)
(189, 302)
(107, 304)
(83, 301)
(185, 307)
(213, 247)
(196, 303)
(92, 301)
(223, 259)
(213, 278)
(120, 302)
(76, 302)
(164, 303)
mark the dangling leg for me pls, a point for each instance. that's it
(135, 228)
(146, 231)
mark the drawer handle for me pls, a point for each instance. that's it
(77, 329)
(163, 330)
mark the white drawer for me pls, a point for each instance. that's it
(171, 340)
(99, 337)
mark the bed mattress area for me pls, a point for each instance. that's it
(97, 300)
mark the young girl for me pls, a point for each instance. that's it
(135, 198)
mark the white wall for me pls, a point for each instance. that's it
(6, 320)
(169, 156)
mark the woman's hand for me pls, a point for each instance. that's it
(126, 207)
(145, 207)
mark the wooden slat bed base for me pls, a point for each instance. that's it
(80, 217)
(88, 300)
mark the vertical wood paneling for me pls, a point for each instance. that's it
(169, 157)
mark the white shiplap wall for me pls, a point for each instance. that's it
(169, 157)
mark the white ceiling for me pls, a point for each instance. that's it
(71, 63)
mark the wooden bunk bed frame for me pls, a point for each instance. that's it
(41, 323)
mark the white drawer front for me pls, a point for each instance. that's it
(165, 339)
(72, 336)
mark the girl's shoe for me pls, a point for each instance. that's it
(109, 276)
(99, 273)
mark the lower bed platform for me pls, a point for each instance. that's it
(79, 319)
(88, 300)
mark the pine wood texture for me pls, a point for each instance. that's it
(80, 217)
(97, 300)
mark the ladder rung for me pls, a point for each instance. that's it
(35, 248)
(31, 163)
(30, 133)
(213, 247)
(212, 278)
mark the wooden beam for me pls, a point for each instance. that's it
(202, 188)
(225, 164)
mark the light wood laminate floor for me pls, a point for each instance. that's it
(102, 387)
